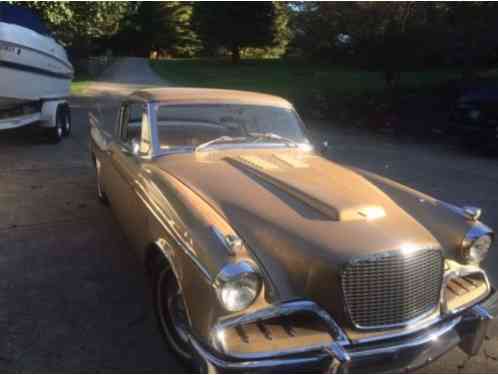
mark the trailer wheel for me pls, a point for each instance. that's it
(66, 129)
(56, 133)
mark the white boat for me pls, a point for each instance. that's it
(33, 66)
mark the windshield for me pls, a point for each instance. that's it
(209, 124)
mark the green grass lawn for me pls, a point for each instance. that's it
(290, 79)
(80, 83)
(317, 90)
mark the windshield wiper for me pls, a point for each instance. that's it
(255, 137)
(273, 136)
(222, 139)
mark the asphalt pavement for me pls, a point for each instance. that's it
(74, 296)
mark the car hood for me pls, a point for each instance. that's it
(301, 215)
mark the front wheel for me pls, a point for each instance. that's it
(171, 313)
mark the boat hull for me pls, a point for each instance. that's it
(29, 86)
(33, 67)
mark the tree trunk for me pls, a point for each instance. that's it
(235, 54)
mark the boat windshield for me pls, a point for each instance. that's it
(22, 16)
(201, 126)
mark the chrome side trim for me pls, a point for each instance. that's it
(232, 243)
(165, 223)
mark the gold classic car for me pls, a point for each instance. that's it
(265, 256)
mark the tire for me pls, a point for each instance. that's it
(56, 133)
(67, 123)
(169, 308)
(101, 195)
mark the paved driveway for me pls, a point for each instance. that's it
(75, 298)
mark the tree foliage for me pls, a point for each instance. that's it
(387, 36)
(77, 22)
(158, 26)
(236, 25)
(396, 36)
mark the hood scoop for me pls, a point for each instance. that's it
(297, 177)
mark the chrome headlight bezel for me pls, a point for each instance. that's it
(233, 281)
(477, 243)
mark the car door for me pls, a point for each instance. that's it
(125, 172)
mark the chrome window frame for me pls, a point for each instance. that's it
(148, 123)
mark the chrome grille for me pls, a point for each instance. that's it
(392, 288)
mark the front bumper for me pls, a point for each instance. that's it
(468, 329)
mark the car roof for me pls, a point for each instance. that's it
(192, 95)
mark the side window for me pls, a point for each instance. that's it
(132, 118)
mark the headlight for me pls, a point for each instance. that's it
(477, 243)
(478, 250)
(237, 286)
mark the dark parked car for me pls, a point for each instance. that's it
(475, 118)
(265, 256)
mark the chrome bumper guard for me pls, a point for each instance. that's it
(468, 329)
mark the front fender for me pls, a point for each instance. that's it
(447, 225)
(183, 222)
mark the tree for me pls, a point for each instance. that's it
(392, 37)
(386, 36)
(235, 25)
(74, 22)
(157, 26)
(472, 33)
